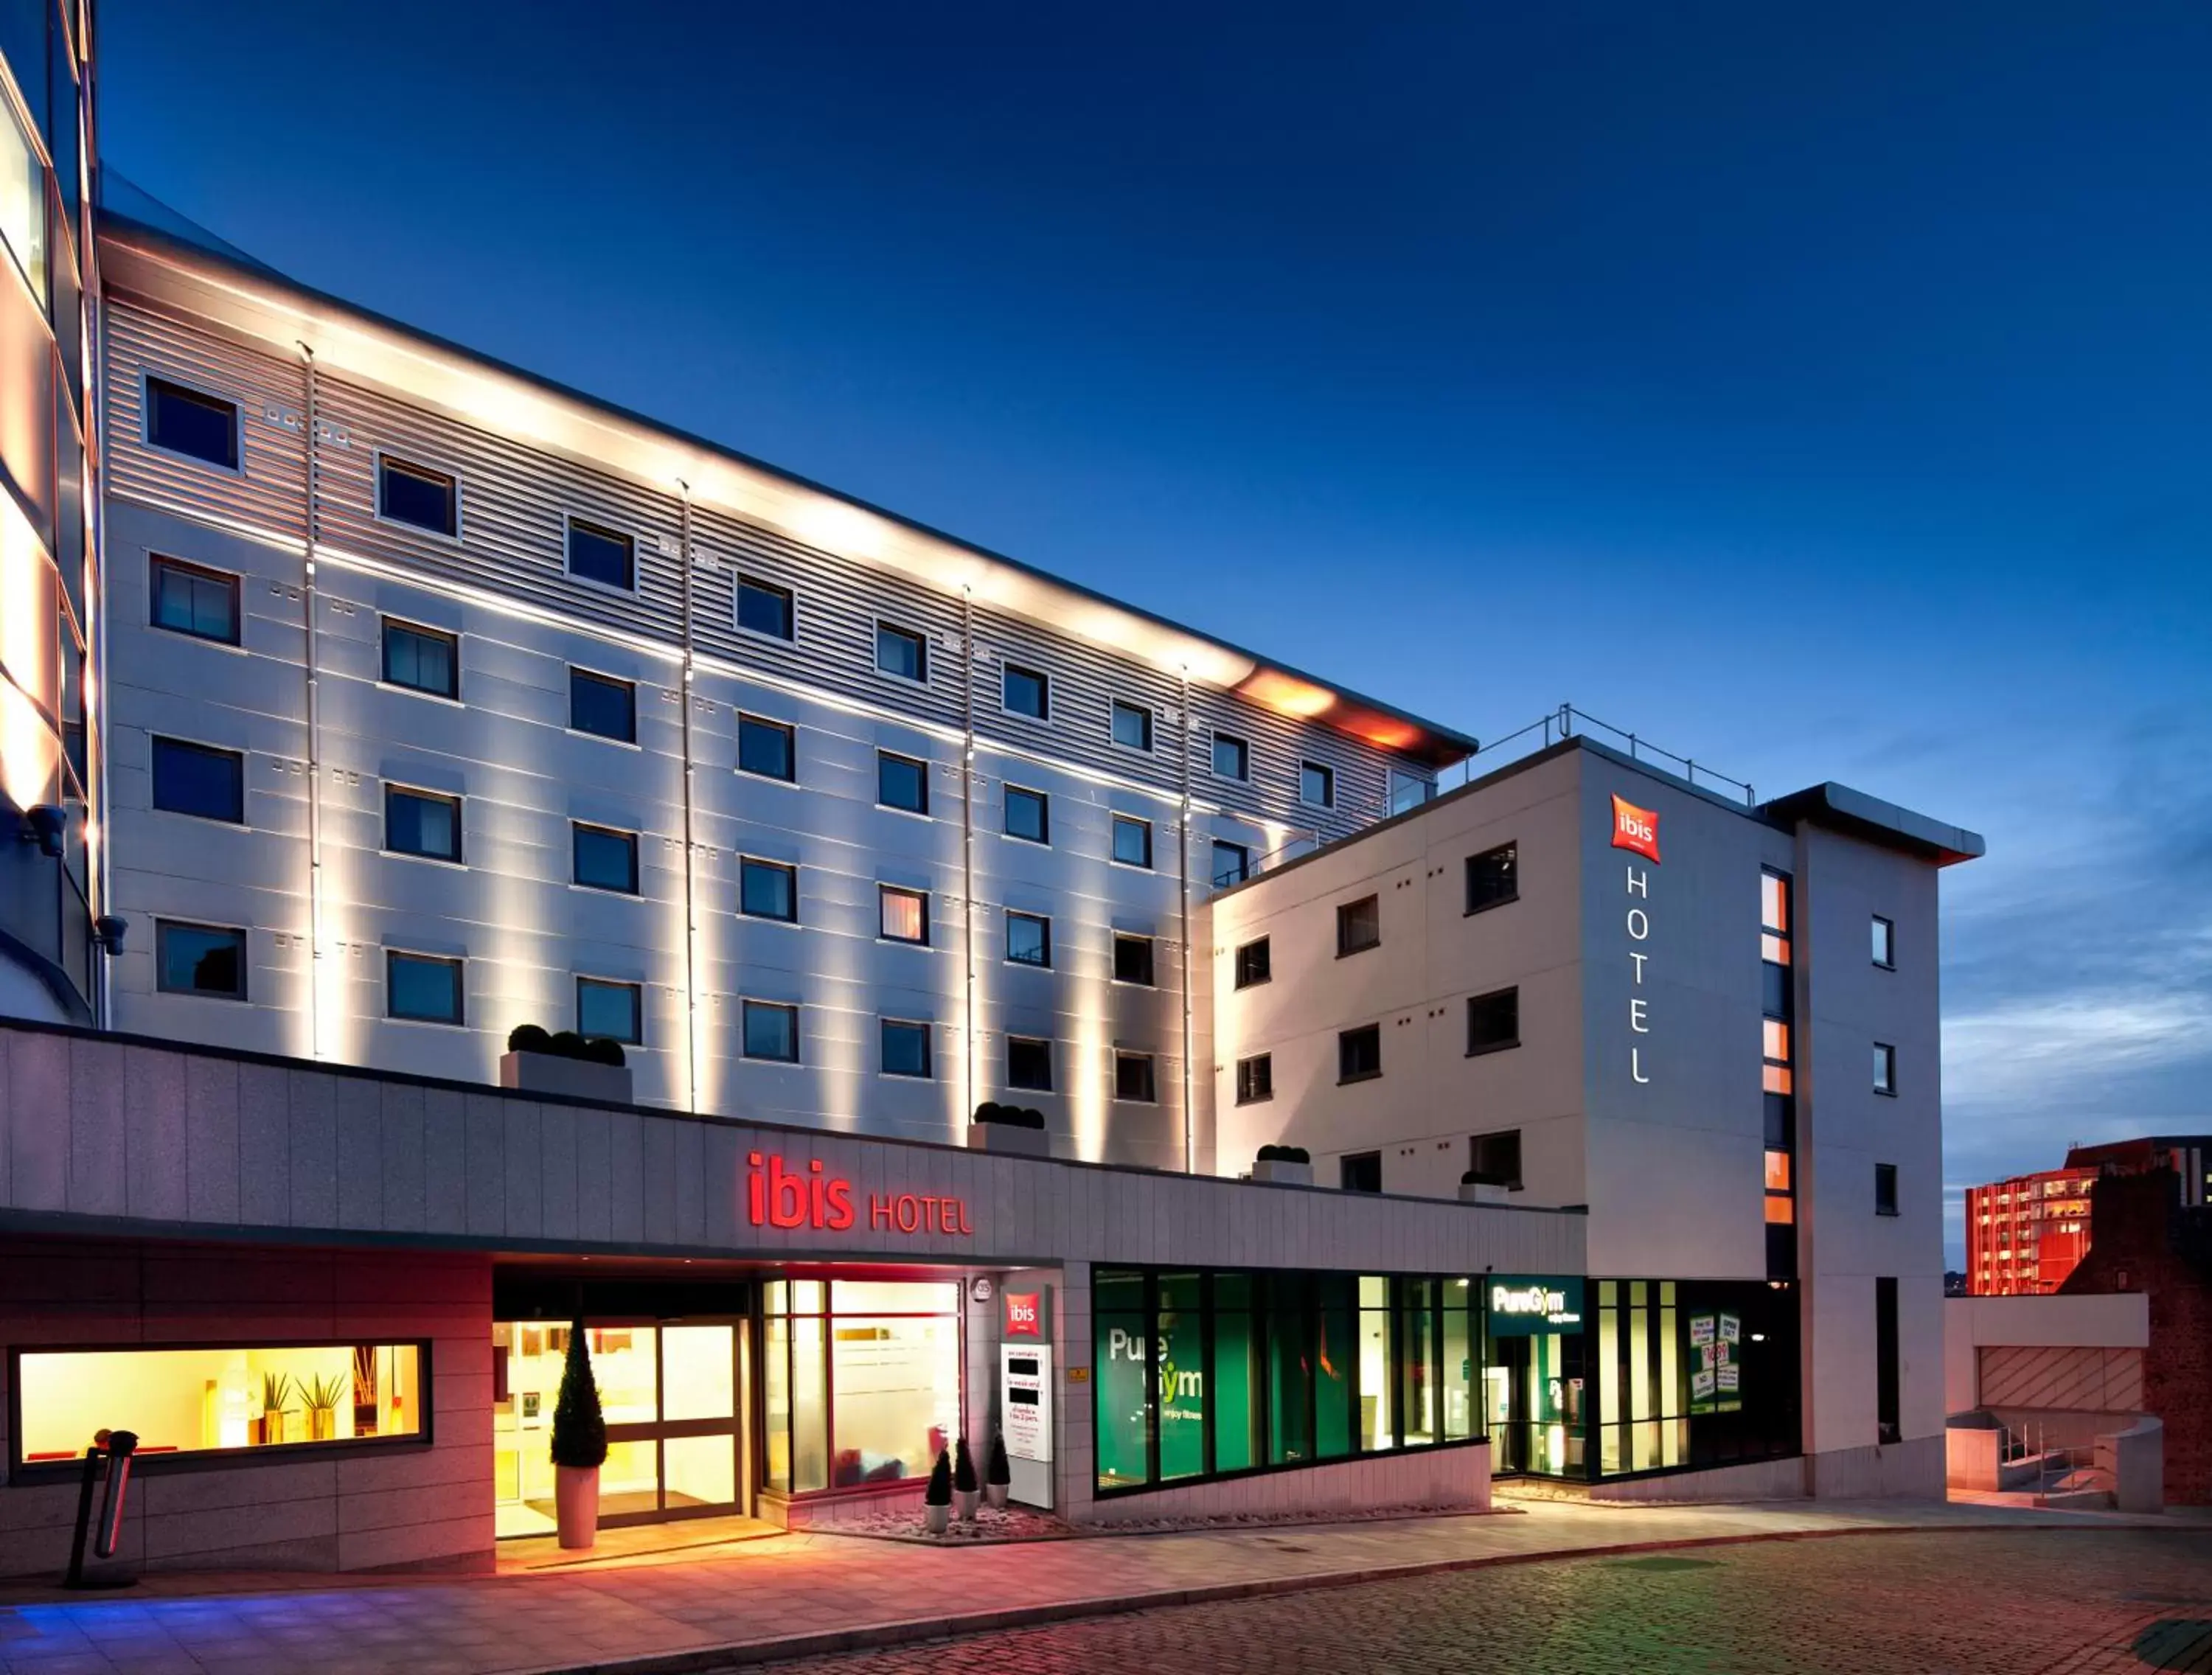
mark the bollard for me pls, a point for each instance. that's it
(109, 1462)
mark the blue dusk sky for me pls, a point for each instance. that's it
(1823, 393)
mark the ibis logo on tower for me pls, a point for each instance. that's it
(1636, 828)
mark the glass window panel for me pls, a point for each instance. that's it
(1182, 1378)
(1231, 757)
(905, 914)
(602, 556)
(1885, 942)
(188, 421)
(190, 600)
(901, 783)
(767, 889)
(1781, 1211)
(418, 495)
(1232, 863)
(764, 607)
(1029, 939)
(1776, 1036)
(771, 1031)
(807, 1296)
(1290, 1369)
(1458, 1373)
(810, 1406)
(1774, 950)
(1778, 1171)
(423, 823)
(1119, 1368)
(1133, 960)
(1316, 785)
(200, 780)
(1376, 1430)
(1133, 840)
(699, 1372)
(702, 1473)
(1776, 1079)
(609, 1010)
(903, 653)
(1028, 1063)
(894, 1297)
(624, 1366)
(605, 860)
(1133, 725)
(765, 748)
(1417, 1382)
(603, 707)
(1026, 692)
(1232, 1389)
(1336, 1370)
(422, 987)
(897, 1384)
(1774, 903)
(23, 201)
(201, 959)
(905, 1048)
(1029, 815)
(420, 659)
(629, 1481)
(1493, 876)
(776, 1397)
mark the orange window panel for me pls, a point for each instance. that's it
(1778, 1078)
(1778, 1171)
(1773, 902)
(1774, 950)
(1777, 1039)
(1781, 1211)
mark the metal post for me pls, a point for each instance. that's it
(968, 839)
(691, 867)
(312, 528)
(1182, 914)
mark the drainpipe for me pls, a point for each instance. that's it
(967, 831)
(690, 892)
(1182, 913)
(314, 527)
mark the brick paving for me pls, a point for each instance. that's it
(2013, 1603)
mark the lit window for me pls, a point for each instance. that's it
(422, 659)
(1133, 1078)
(906, 1048)
(1029, 939)
(422, 988)
(421, 823)
(1253, 963)
(199, 780)
(764, 607)
(1774, 918)
(901, 782)
(1133, 840)
(1781, 1210)
(771, 1031)
(23, 191)
(417, 494)
(1133, 725)
(200, 959)
(766, 747)
(1028, 1063)
(1255, 1078)
(1029, 815)
(608, 1010)
(1359, 926)
(1132, 959)
(190, 600)
(1025, 692)
(602, 706)
(1359, 1054)
(1493, 1020)
(1884, 937)
(1885, 1068)
(767, 889)
(1316, 785)
(600, 554)
(903, 653)
(190, 423)
(1777, 1039)
(604, 858)
(1233, 757)
(1778, 1171)
(905, 914)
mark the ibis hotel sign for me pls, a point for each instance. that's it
(1523, 1305)
(781, 1196)
(1636, 830)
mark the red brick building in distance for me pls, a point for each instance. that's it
(2025, 1234)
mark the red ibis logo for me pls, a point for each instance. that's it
(1636, 828)
(1023, 1318)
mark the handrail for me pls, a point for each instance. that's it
(1564, 722)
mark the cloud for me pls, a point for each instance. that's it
(2046, 1049)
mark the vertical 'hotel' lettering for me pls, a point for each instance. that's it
(1638, 830)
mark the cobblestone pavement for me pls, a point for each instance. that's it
(2012, 1603)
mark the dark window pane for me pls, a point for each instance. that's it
(902, 653)
(1232, 863)
(1133, 840)
(606, 859)
(1359, 1054)
(602, 556)
(602, 706)
(422, 659)
(901, 783)
(766, 889)
(1774, 989)
(1779, 1124)
(1255, 1078)
(764, 607)
(1885, 1068)
(1133, 725)
(1492, 876)
(419, 822)
(1253, 964)
(200, 603)
(764, 748)
(1026, 692)
(1359, 925)
(1133, 1078)
(1885, 1189)
(199, 780)
(1231, 757)
(1029, 815)
(612, 1012)
(1361, 1172)
(906, 1048)
(1133, 960)
(771, 1032)
(201, 959)
(422, 988)
(185, 422)
(1493, 1020)
(1316, 785)
(418, 495)
(1029, 939)
(1028, 1063)
(1495, 1158)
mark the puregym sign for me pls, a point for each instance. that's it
(1522, 1305)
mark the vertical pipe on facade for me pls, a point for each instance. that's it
(96, 595)
(1182, 915)
(968, 836)
(690, 914)
(312, 528)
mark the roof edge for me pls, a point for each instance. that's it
(1861, 816)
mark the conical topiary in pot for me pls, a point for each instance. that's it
(937, 1499)
(965, 1489)
(579, 1446)
(998, 1472)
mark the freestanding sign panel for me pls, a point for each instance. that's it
(1025, 1410)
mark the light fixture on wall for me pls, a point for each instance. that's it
(44, 825)
(108, 931)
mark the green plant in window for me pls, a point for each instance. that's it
(321, 1396)
(579, 1429)
(277, 1389)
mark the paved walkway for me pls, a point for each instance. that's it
(800, 1595)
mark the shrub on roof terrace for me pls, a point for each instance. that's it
(1284, 1155)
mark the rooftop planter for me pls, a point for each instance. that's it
(1478, 1188)
(1011, 1130)
(1285, 1166)
(540, 1062)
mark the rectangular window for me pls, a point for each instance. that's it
(421, 987)
(767, 889)
(905, 1048)
(1133, 840)
(1884, 943)
(1255, 1078)
(1886, 1406)
(604, 858)
(764, 607)
(1029, 938)
(421, 823)
(903, 653)
(1359, 1054)
(1774, 918)
(1132, 959)
(1233, 757)
(199, 780)
(1316, 785)
(1028, 1063)
(1133, 1078)
(1360, 1172)
(1493, 877)
(905, 914)
(901, 782)
(1133, 725)
(1885, 1189)
(1253, 963)
(600, 554)
(1885, 1068)
(422, 659)
(1359, 925)
(23, 180)
(1029, 815)
(602, 706)
(771, 1031)
(1495, 1159)
(190, 600)
(1493, 1020)
(1778, 1171)
(188, 421)
(200, 959)
(1025, 692)
(1232, 863)
(197, 1401)
(417, 494)
(1122, 1379)
(769, 749)
(608, 1010)
(1774, 1051)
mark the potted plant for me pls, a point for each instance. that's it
(321, 1396)
(1290, 1165)
(275, 1391)
(579, 1446)
(937, 1499)
(999, 1474)
(965, 1490)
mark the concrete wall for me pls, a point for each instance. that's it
(2117, 1320)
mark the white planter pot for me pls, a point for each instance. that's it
(1285, 1175)
(1470, 1192)
(1009, 1141)
(964, 1504)
(576, 1504)
(934, 1518)
(578, 1078)
(995, 1494)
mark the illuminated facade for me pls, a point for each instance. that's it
(50, 599)
(2025, 1234)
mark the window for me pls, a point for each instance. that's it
(764, 607)
(1132, 959)
(602, 706)
(1884, 943)
(187, 599)
(1316, 785)
(200, 959)
(766, 747)
(767, 889)
(608, 1010)
(197, 1401)
(1133, 840)
(1253, 964)
(422, 659)
(1774, 1051)
(903, 653)
(1774, 918)
(1359, 925)
(1029, 938)
(1885, 1068)
(1885, 1189)
(421, 823)
(605, 858)
(417, 494)
(598, 554)
(901, 782)
(199, 780)
(1028, 1063)
(1025, 692)
(1493, 877)
(1255, 1078)
(1495, 1159)
(860, 1396)
(905, 914)
(1133, 725)
(1029, 815)
(1233, 757)
(23, 187)
(189, 423)
(1359, 1054)
(1493, 1020)
(1133, 1078)
(1360, 1172)
(1232, 863)
(906, 1048)
(1886, 1403)
(421, 987)
(1409, 791)
(771, 1031)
